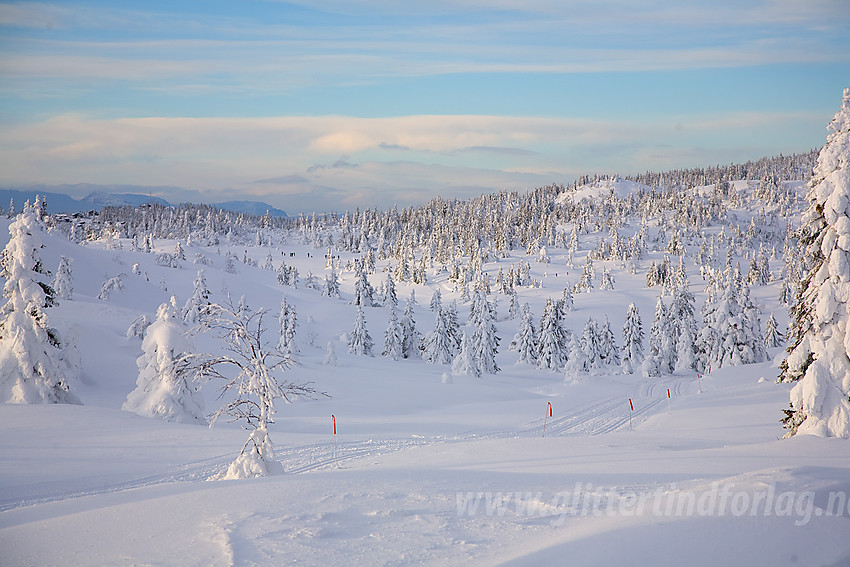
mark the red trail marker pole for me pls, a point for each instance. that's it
(547, 416)
(631, 409)
(668, 400)
(333, 417)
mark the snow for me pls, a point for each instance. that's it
(427, 466)
(601, 188)
(393, 497)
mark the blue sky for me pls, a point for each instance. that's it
(330, 105)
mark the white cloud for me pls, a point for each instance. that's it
(606, 12)
(327, 162)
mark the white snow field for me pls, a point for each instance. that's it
(426, 468)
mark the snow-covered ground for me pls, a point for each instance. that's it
(426, 468)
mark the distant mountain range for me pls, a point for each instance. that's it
(96, 200)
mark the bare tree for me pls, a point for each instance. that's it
(251, 368)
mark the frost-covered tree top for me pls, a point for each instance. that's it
(819, 358)
(194, 308)
(21, 263)
(31, 366)
(62, 283)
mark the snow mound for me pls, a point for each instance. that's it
(599, 189)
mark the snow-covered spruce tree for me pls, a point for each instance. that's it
(684, 328)
(773, 337)
(477, 308)
(786, 294)
(393, 337)
(390, 297)
(590, 344)
(464, 292)
(252, 371)
(567, 300)
(62, 283)
(411, 338)
(437, 346)
(729, 336)
(164, 388)
(552, 352)
(138, 327)
(585, 282)
(709, 335)
(484, 343)
(819, 355)
(113, 284)
(331, 284)
(464, 363)
(751, 326)
(436, 301)
(659, 360)
(452, 324)
(513, 306)
(609, 352)
(230, 263)
(195, 307)
(525, 341)
(667, 342)
(606, 282)
(364, 293)
(330, 355)
(632, 340)
(359, 340)
(32, 365)
(287, 322)
(283, 274)
(577, 363)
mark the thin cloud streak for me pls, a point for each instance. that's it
(541, 37)
(253, 67)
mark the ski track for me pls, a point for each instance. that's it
(599, 417)
(44, 493)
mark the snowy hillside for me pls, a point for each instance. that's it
(601, 188)
(658, 455)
